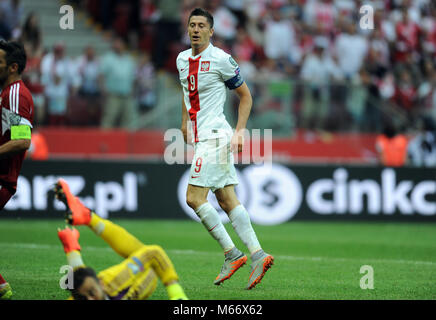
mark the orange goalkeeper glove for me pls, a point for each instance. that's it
(70, 239)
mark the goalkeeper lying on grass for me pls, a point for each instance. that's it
(135, 278)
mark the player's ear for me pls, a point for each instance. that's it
(13, 67)
(211, 30)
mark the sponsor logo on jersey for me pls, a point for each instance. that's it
(205, 66)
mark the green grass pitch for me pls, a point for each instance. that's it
(312, 260)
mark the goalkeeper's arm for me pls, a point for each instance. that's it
(70, 241)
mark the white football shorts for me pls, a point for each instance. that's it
(213, 164)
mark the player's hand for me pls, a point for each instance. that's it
(237, 141)
(69, 238)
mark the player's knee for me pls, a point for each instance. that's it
(139, 252)
(225, 205)
(150, 248)
(155, 248)
(148, 251)
(228, 204)
(192, 201)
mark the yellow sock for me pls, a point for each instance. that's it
(117, 237)
(175, 292)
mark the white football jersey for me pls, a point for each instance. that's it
(204, 79)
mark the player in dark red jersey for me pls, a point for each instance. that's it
(17, 117)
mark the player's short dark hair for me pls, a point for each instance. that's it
(79, 276)
(204, 13)
(15, 53)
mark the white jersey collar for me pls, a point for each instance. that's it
(203, 52)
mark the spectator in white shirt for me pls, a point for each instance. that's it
(89, 70)
(279, 38)
(60, 79)
(225, 22)
(351, 49)
(316, 72)
(88, 67)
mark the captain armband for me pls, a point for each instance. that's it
(236, 81)
(20, 132)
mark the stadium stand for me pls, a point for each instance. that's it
(315, 74)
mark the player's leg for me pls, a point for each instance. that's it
(123, 242)
(238, 216)
(5, 195)
(117, 237)
(309, 109)
(111, 111)
(129, 114)
(196, 198)
(5, 289)
(240, 220)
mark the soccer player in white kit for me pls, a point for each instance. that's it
(205, 71)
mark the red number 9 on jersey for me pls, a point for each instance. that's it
(193, 81)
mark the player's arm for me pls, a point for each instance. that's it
(231, 74)
(20, 129)
(245, 104)
(185, 127)
(70, 241)
(20, 140)
(13, 147)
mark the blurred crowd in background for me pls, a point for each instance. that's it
(335, 76)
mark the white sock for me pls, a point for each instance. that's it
(242, 225)
(211, 220)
